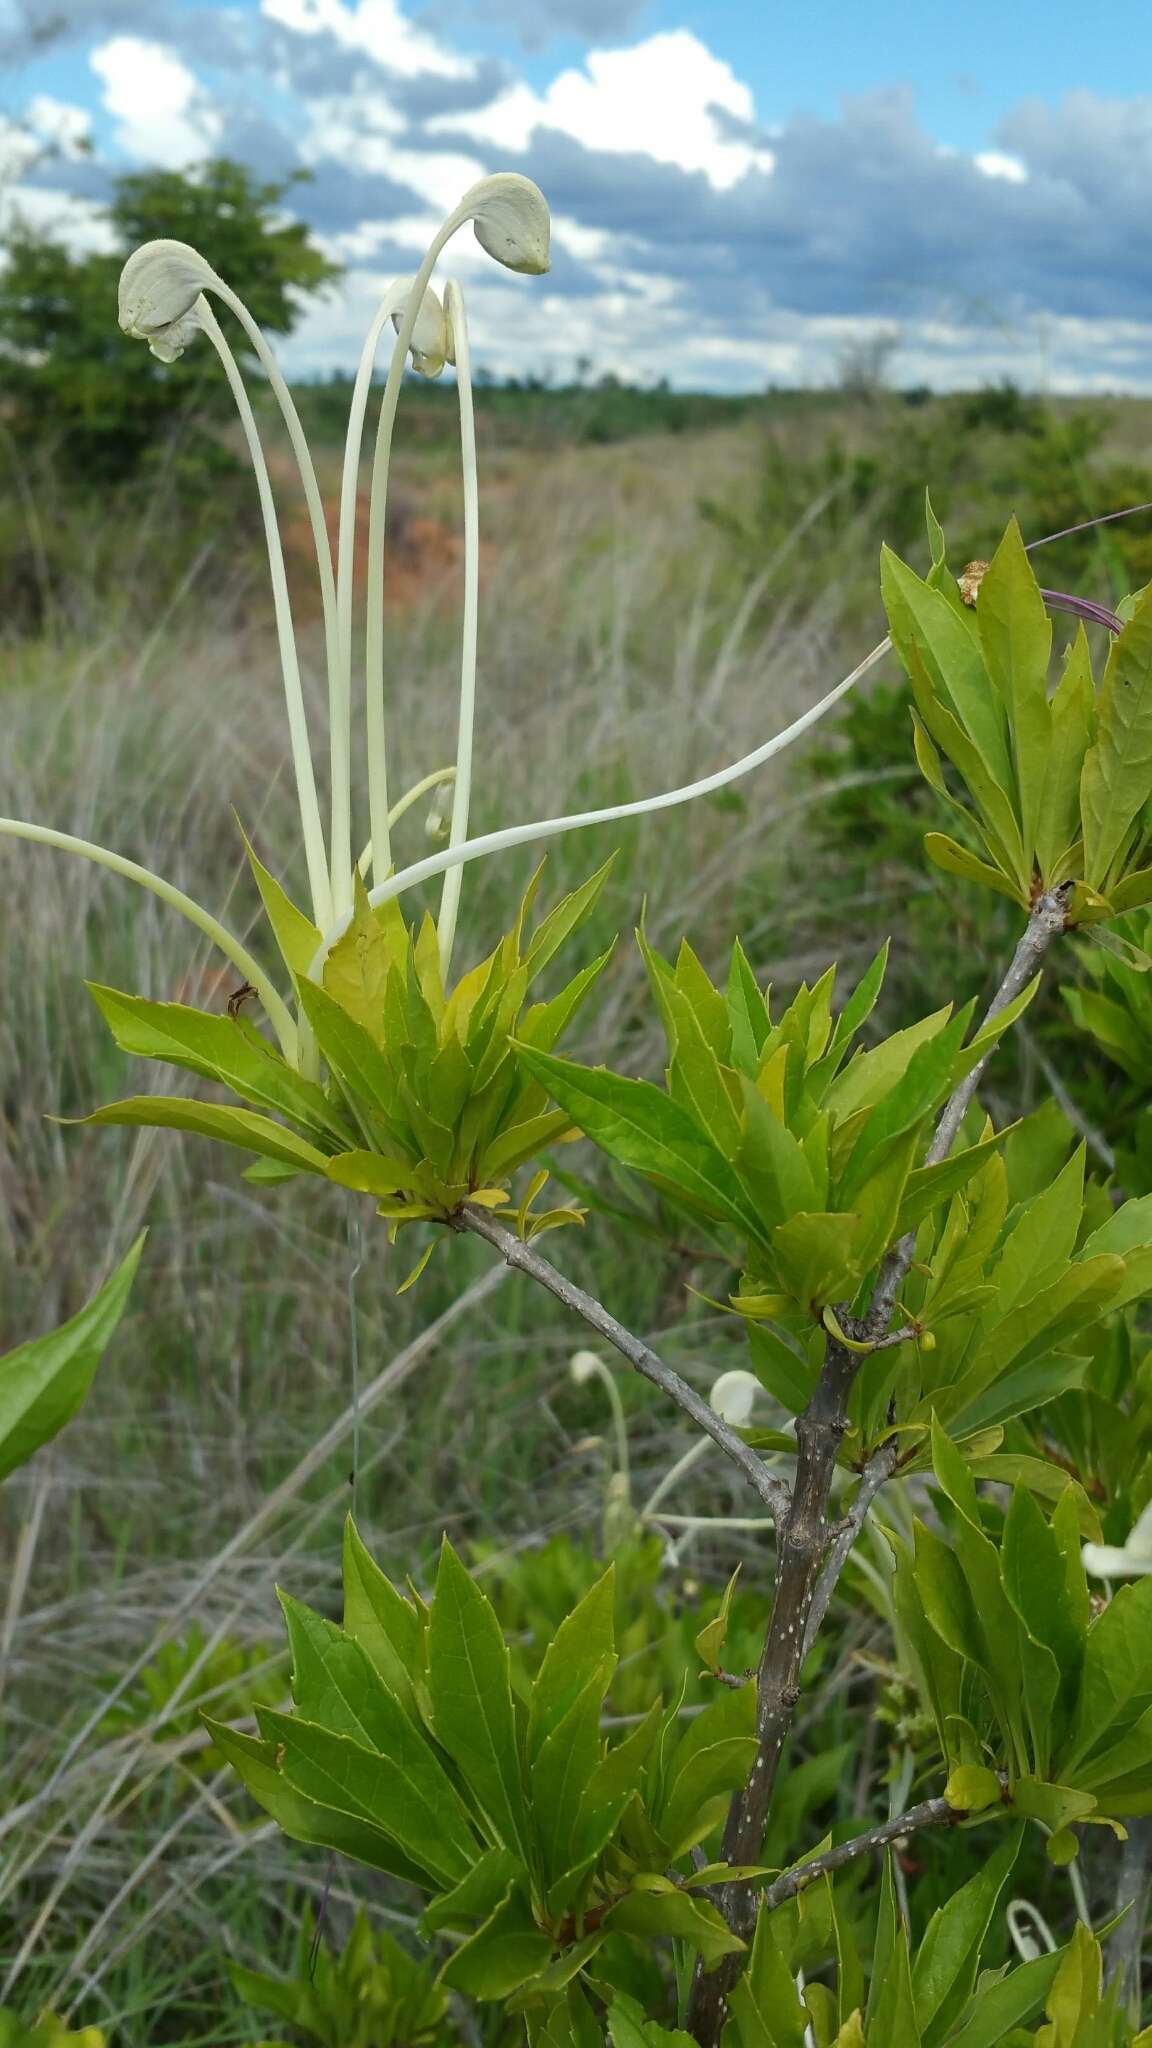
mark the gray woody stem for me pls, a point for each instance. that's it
(805, 1540)
(931, 1813)
(515, 1252)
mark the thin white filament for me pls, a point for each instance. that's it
(405, 803)
(377, 510)
(314, 849)
(278, 1013)
(341, 779)
(551, 828)
(345, 573)
(461, 795)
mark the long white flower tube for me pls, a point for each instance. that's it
(462, 792)
(510, 220)
(428, 344)
(551, 828)
(341, 829)
(277, 1010)
(314, 849)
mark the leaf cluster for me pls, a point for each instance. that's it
(372, 1995)
(538, 1843)
(1057, 787)
(1043, 1708)
(1006, 1294)
(422, 1102)
(801, 1142)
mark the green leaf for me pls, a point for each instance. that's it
(948, 1958)
(477, 1895)
(928, 1186)
(350, 1050)
(1073, 716)
(893, 2023)
(228, 1126)
(222, 1049)
(304, 1818)
(570, 913)
(815, 1257)
(747, 1013)
(1116, 1682)
(357, 969)
(771, 1164)
(1034, 1580)
(1016, 637)
(560, 1776)
(924, 623)
(628, 2028)
(643, 1128)
(764, 2003)
(43, 1382)
(582, 1651)
(677, 1915)
(1010, 2003)
(502, 1955)
(951, 858)
(1117, 779)
(386, 1625)
(710, 1641)
(468, 1676)
(403, 1790)
(711, 1760)
(296, 935)
(789, 1378)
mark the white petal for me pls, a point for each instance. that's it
(732, 1396)
(510, 219)
(1105, 1561)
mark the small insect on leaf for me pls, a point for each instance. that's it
(239, 996)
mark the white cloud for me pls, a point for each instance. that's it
(657, 99)
(996, 163)
(65, 127)
(377, 27)
(163, 113)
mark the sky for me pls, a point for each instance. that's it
(743, 192)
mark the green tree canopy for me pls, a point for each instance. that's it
(75, 384)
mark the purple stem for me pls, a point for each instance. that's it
(1083, 608)
(1102, 519)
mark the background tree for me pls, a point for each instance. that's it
(73, 382)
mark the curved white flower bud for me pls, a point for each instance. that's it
(431, 344)
(510, 219)
(1134, 1561)
(159, 287)
(584, 1366)
(732, 1397)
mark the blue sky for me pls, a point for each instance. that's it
(741, 192)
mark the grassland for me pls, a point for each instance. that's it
(629, 641)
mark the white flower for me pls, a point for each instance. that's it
(732, 1397)
(584, 1366)
(431, 343)
(1134, 1561)
(159, 287)
(510, 219)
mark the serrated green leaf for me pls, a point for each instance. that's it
(222, 1049)
(468, 1678)
(403, 1791)
(643, 1128)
